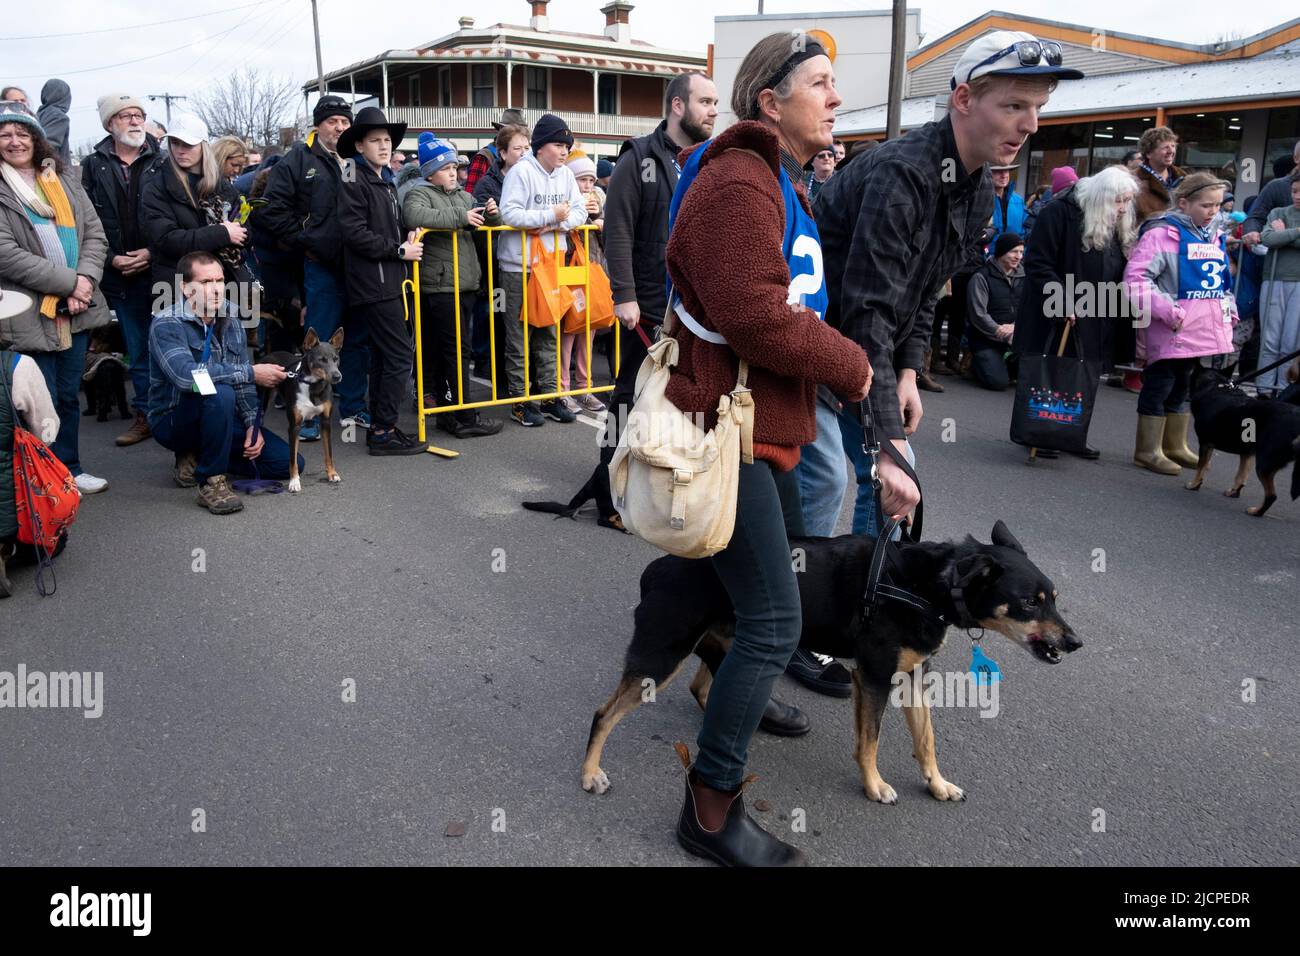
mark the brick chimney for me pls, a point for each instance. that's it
(616, 20)
(540, 20)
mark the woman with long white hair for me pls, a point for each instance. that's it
(1074, 267)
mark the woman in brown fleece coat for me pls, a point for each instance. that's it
(726, 263)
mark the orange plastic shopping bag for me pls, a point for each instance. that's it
(602, 296)
(548, 299)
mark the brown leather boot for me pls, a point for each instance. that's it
(739, 841)
(138, 431)
(923, 380)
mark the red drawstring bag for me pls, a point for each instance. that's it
(45, 492)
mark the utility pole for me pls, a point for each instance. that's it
(167, 97)
(320, 70)
(897, 64)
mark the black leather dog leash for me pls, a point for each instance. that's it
(875, 591)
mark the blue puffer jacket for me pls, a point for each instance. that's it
(1015, 221)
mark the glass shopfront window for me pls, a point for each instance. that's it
(1064, 144)
(1208, 141)
(1112, 140)
(1283, 131)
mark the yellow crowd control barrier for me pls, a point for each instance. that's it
(568, 276)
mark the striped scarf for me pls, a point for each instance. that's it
(50, 213)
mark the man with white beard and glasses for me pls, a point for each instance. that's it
(112, 176)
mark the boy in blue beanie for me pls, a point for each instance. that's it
(436, 201)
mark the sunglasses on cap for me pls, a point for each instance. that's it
(1030, 52)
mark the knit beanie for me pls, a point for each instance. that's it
(113, 103)
(604, 169)
(13, 112)
(434, 154)
(1005, 243)
(551, 129)
(1063, 176)
(328, 106)
(581, 165)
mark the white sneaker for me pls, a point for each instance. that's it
(88, 484)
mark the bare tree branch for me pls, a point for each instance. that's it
(249, 105)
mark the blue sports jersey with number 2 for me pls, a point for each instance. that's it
(801, 246)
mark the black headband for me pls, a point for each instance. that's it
(794, 59)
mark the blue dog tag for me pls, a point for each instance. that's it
(983, 667)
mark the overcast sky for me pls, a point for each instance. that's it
(276, 36)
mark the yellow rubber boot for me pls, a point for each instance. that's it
(1174, 444)
(1146, 451)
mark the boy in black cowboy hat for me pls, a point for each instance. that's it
(375, 251)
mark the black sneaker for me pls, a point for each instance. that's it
(554, 410)
(528, 417)
(393, 442)
(479, 427)
(818, 672)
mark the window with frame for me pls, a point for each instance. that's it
(536, 89)
(607, 94)
(444, 86)
(483, 84)
(413, 91)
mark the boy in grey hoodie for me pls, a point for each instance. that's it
(540, 194)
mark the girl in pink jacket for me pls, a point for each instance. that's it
(1178, 279)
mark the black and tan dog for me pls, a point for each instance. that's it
(308, 393)
(1262, 431)
(684, 608)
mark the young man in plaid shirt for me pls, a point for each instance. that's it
(895, 224)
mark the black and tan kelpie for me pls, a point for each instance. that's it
(308, 392)
(684, 608)
(1265, 432)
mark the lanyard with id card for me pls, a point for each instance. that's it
(202, 380)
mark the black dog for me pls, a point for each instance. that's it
(104, 383)
(104, 379)
(308, 393)
(1261, 430)
(684, 608)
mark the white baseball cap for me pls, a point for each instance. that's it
(188, 129)
(1011, 53)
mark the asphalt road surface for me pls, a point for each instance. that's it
(481, 637)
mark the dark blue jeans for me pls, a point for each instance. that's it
(62, 372)
(990, 367)
(134, 311)
(866, 520)
(758, 573)
(326, 308)
(211, 426)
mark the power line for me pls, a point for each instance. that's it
(137, 26)
(223, 66)
(141, 59)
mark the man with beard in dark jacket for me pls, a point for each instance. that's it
(375, 253)
(301, 211)
(112, 176)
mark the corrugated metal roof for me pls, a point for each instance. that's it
(932, 78)
(1272, 76)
